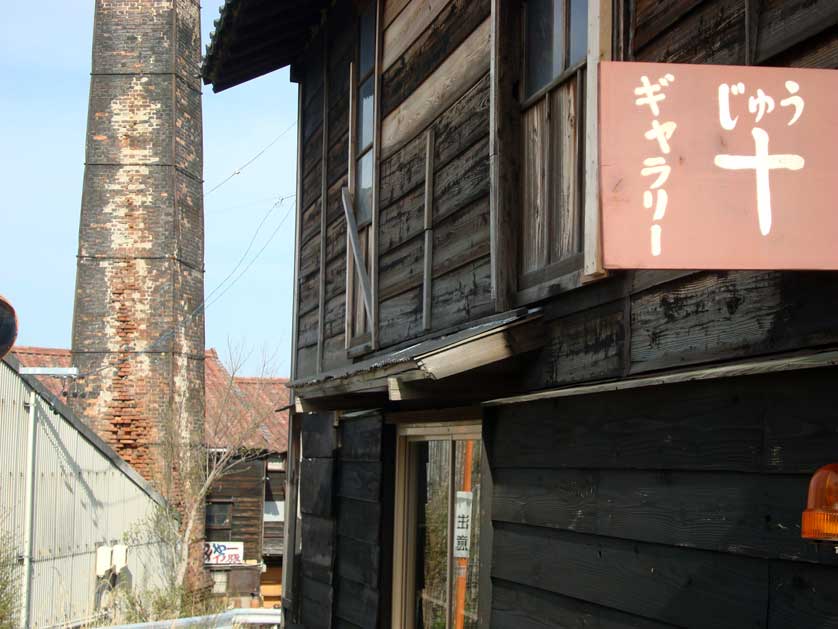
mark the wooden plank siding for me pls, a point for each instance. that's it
(677, 505)
(244, 486)
(318, 519)
(362, 573)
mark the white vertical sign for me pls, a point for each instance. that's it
(462, 524)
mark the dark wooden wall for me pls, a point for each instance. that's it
(364, 522)
(678, 505)
(453, 246)
(244, 485)
(672, 506)
(346, 489)
(317, 473)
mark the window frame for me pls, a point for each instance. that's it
(404, 520)
(507, 104)
(363, 343)
(229, 523)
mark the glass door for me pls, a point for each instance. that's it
(438, 530)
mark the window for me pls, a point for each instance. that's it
(552, 128)
(362, 181)
(274, 507)
(218, 522)
(436, 561)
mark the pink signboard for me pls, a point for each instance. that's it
(718, 167)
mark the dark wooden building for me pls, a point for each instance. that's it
(490, 429)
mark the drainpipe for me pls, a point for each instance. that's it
(28, 532)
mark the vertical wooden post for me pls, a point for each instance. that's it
(429, 236)
(599, 48)
(376, 156)
(504, 151)
(350, 182)
(324, 191)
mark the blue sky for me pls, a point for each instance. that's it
(45, 61)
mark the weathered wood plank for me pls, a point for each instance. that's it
(356, 603)
(803, 596)
(358, 561)
(652, 17)
(316, 486)
(334, 352)
(312, 151)
(337, 162)
(681, 586)
(401, 221)
(359, 520)
(743, 514)
(517, 606)
(318, 435)
(310, 223)
(706, 426)
(716, 316)
(462, 295)
(392, 8)
(313, 114)
(785, 23)
(459, 72)
(306, 364)
(535, 125)
(400, 317)
(462, 124)
(309, 292)
(336, 240)
(461, 238)
(307, 329)
(336, 278)
(820, 51)
(462, 181)
(316, 604)
(423, 54)
(414, 17)
(584, 346)
(564, 223)
(403, 171)
(359, 480)
(318, 547)
(361, 439)
(310, 256)
(712, 33)
(400, 268)
(311, 183)
(335, 315)
(334, 204)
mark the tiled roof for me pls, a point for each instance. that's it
(237, 408)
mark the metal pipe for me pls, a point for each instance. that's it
(28, 532)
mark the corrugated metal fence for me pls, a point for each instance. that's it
(85, 496)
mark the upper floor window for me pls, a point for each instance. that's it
(552, 149)
(365, 117)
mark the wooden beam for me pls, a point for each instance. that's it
(350, 181)
(504, 150)
(324, 191)
(427, 278)
(357, 253)
(376, 180)
(599, 48)
(747, 368)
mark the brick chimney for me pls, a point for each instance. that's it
(141, 243)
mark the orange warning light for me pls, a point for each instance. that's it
(820, 520)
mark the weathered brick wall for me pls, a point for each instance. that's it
(141, 241)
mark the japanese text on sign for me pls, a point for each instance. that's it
(717, 167)
(223, 553)
(462, 524)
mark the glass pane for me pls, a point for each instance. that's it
(578, 30)
(544, 43)
(366, 103)
(466, 533)
(218, 513)
(367, 39)
(433, 470)
(363, 190)
(274, 511)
